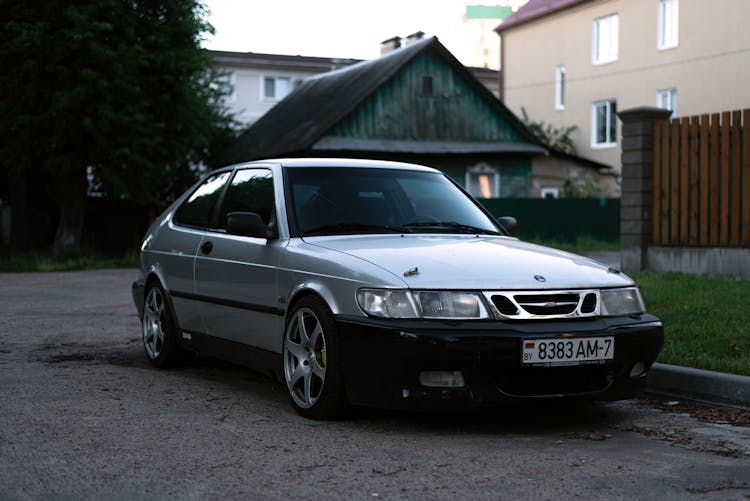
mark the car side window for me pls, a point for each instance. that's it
(251, 190)
(199, 207)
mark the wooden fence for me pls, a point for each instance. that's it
(702, 181)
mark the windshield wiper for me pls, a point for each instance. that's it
(452, 225)
(353, 228)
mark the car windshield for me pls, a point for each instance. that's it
(340, 200)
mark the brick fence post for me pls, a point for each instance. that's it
(636, 202)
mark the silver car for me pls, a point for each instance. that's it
(383, 284)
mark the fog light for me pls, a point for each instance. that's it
(442, 379)
(638, 370)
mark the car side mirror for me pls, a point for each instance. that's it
(509, 223)
(247, 224)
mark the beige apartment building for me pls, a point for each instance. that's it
(578, 62)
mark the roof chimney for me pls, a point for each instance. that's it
(410, 39)
(389, 45)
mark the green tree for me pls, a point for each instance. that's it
(120, 89)
(582, 188)
(558, 138)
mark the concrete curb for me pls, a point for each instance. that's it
(696, 384)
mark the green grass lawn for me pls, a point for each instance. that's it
(48, 261)
(706, 321)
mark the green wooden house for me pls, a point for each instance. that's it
(415, 104)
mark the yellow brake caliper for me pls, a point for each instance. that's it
(320, 353)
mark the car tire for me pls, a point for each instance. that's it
(159, 329)
(311, 364)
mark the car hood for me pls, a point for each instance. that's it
(474, 262)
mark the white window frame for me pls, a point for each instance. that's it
(479, 170)
(611, 132)
(276, 96)
(550, 190)
(667, 24)
(666, 99)
(605, 39)
(560, 87)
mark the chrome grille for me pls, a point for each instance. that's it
(504, 305)
(589, 303)
(523, 305)
(548, 304)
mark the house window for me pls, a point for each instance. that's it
(606, 35)
(667, 100)
(668, 27)
(427, 85)
(276, 88)
(551, 192)
(483, 181)
(560, 87)
(604, 124)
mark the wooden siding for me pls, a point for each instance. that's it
(400, 110)
(701, 178)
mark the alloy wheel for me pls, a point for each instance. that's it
(154, 314)
(305, 358)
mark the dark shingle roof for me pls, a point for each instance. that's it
(280, 60)
(301, 119)
(535, 9)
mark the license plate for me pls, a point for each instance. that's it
(573, 351)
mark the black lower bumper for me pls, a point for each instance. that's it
(138, 288)
(382, 361)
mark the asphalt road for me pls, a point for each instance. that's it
(83, 416)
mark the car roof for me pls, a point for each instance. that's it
(356, 163)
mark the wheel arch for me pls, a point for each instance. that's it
(155, 274)
(314, 290)
(298, 296)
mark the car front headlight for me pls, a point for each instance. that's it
(387, 303)
(439, 305)
(621, 302)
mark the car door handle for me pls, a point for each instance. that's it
(207, 247)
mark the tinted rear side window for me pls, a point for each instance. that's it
(199, 207)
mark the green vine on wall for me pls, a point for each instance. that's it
(557, 138)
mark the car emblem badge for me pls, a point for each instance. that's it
(411, 272)
(539, 278)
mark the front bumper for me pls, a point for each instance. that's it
(382, 360)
